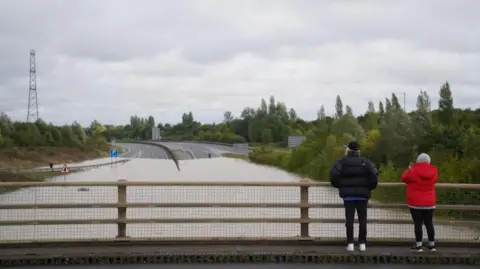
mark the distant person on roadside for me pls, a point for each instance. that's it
(355, 177)
(421, 199)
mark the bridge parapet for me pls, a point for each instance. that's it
(189, 211)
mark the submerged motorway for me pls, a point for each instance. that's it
(184, 151)
(142, 151)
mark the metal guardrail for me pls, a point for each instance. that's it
(157, 206)
(250, 148)
(208, 142)
(168, 150)
(198, 142)
(72, 168)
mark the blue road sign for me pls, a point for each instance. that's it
(113, 153)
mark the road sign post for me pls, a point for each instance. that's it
(113, 154)
(295, 141)
(156, 134)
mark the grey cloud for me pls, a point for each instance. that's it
(166, 57)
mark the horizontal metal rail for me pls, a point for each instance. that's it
(220, 220)
(465, 208)
(211, 184)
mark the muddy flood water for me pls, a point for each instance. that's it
(216, 169)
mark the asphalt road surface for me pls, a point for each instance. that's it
(258, 266)
(197, 150)
(142, 151)
(183, 150)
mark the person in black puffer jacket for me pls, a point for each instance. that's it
(355, 177)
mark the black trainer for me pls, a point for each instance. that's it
(416, 248)
(432, 248)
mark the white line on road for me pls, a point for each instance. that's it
(191, 152)
(127, 150)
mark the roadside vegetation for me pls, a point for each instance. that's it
(393, 138)
(236, 156)
(29, 145)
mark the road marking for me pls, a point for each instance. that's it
(127, 150)
(191, 152)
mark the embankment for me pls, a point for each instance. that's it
(41, 156)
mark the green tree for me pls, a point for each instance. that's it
(445, 105)
(321, 113)
(338, 107)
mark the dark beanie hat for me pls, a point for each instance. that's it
(353, 146)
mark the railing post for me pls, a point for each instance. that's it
(122, 209)
(304, 226)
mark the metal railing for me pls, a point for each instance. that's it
(167, 211)
(210, 143)
(72, 168)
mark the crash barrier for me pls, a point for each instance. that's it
(72, 168)
(168, 150)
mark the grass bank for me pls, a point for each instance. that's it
(42, 156)
(236, 156)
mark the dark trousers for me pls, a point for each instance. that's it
(423, 217)
(361, 208)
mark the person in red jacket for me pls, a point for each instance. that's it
(421, 199)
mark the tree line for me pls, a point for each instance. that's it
(389, 136)
(392, 138)
(15, 135)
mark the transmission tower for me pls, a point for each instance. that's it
(32, 114)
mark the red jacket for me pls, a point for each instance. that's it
(420, 180)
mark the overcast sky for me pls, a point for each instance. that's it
(107, 60)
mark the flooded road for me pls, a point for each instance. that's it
(215, 169)
(199, 151)
(142, 151)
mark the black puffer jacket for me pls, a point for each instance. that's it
(354, 176)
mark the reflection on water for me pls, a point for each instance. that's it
(219, 169)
